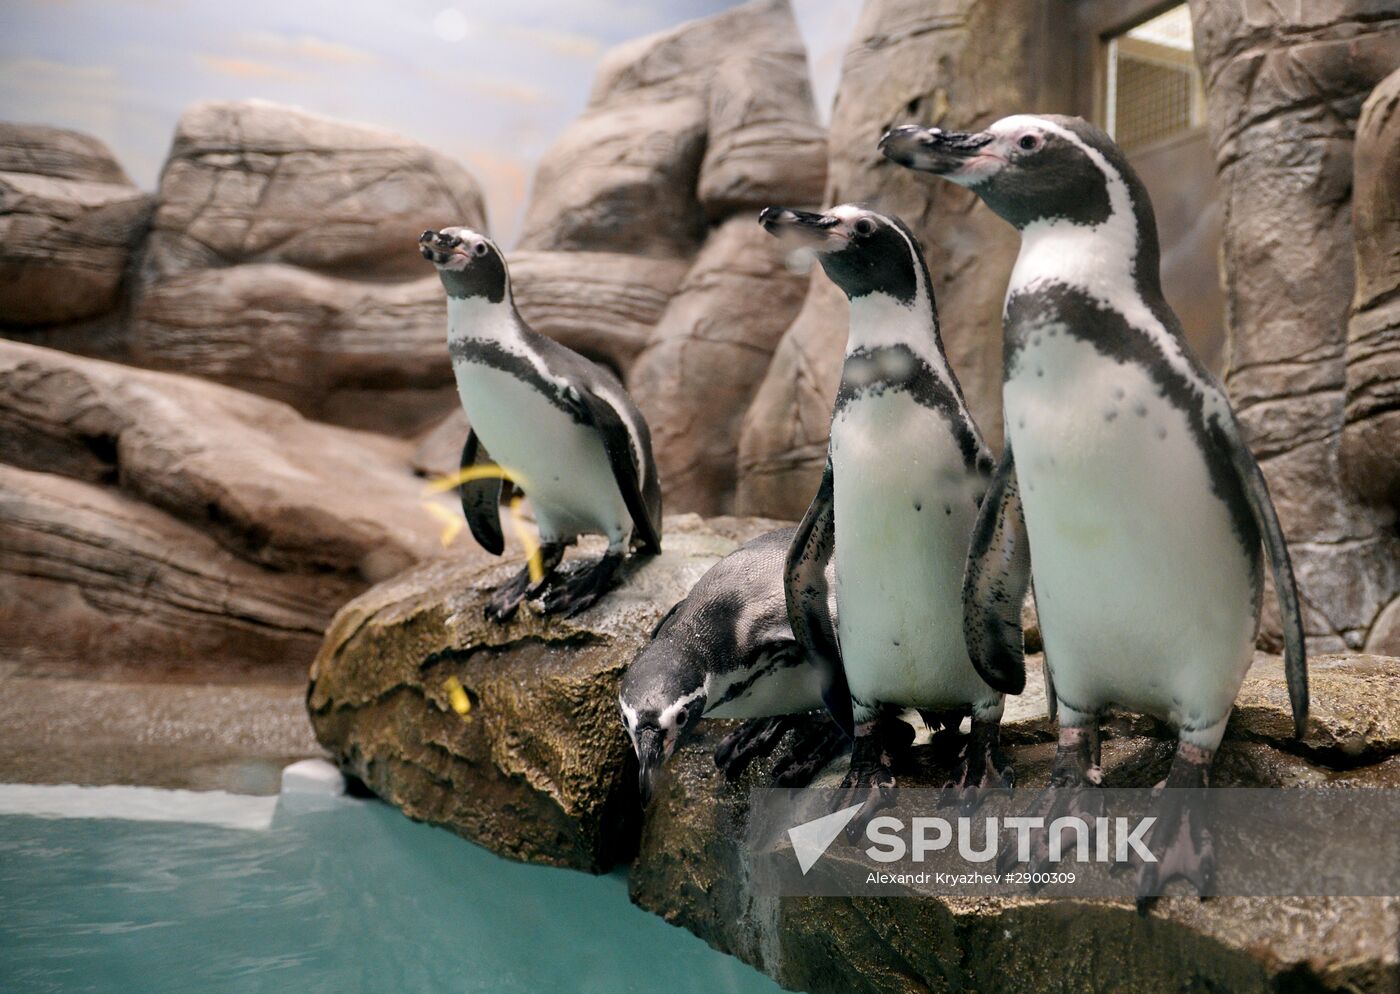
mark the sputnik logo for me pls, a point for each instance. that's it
(813, 838)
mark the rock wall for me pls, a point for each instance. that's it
(1371, 433)
(958, 64)
(160, 522)
(282, 260)
(69, 221)
(1285, 83)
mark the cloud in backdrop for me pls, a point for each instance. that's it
(492, 84)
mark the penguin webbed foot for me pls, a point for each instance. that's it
(1180, 837)
(507, 598)
(751, 740)
(583, 588)
(1073, 792)
(983, 768)
(869, 780)
(818, 742)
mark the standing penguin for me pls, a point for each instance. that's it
(727, 651)
(562, 427)
(1132, 497)
(906, 470)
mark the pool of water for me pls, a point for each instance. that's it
(347, 896)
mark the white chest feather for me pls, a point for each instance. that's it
(905, 506)
(1144, 594)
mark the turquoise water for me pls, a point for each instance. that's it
(354, 898)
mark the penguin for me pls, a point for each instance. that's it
(726, 651)
(562, 427)
(1126, 491)
(905, 473)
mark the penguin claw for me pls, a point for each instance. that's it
(506, 599)
(809, 754)
(750, 741)
(1081, 801)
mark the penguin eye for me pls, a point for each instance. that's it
(681, 717)
(480, 248)
(865, 226)
(1029, 142)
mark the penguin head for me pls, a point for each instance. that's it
(662, 700)
(1027, 168)
(863, 251)
(469, 264)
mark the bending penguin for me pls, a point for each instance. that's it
(906, 470)
(563, 428)
(1126, 489)
(727, 651)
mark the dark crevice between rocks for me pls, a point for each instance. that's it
(454, 654)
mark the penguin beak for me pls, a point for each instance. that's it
(651, 755)
(951, 154)
(803, 228)
(438, 246)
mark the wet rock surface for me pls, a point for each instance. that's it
(538, 768)
(1285, 84)
(691, 870)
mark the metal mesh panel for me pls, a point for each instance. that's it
(1154, 89)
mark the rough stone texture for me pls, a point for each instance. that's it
(1371, 437)
(706, 358)
(959, 64)
(282, 259)
(1285, 83)
(539, 768)
(363, 354)
(94, 580)
(601, 304)
(256, 182)
(250, 473)
(691, 871)
(720, 106)
(69, 219)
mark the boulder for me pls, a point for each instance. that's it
(713, 115)
(283, 260)
(600, 304)
(691, 869)
(531, 761)
(250, 473)
(706, 358)
(959, 65)
(439, 449)
(69, 220)
(94, 580)
(1371, 435)
(357, 353)
(256, 182)
(1285, 84)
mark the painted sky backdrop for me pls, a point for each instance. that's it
(490, 83)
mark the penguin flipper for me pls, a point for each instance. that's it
(1229, 437)
(995, 583)
(808, 600)
(481, 499)
(644, 507)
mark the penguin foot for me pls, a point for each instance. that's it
(1073, 792)
(869, 780)
(581, 590)
(1182, 844)
(983, 767)
(750, 741)
(507, 598)
(816, 745)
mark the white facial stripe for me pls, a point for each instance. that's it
(1097, 259)
(668, 717)
(629, 718)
